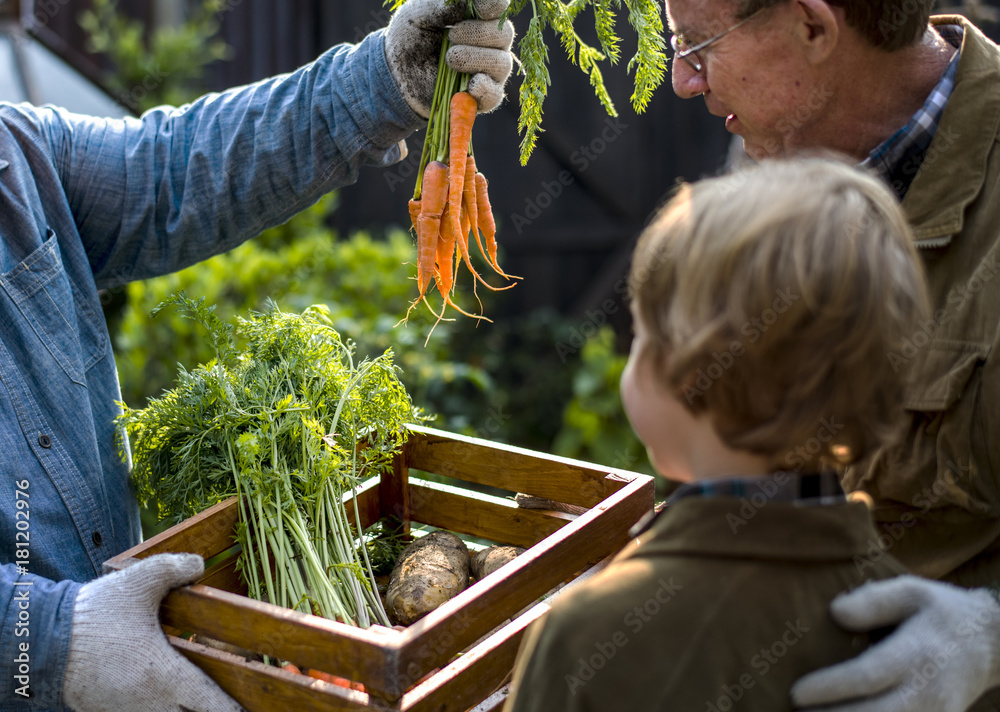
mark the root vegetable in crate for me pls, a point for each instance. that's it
(430, 571)
(488, 560)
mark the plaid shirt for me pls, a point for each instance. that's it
(802, 490)
(897, 159)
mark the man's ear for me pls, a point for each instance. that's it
(818, 28)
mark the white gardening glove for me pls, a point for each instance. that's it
(479, 47)
(942, 657)
(119, 658)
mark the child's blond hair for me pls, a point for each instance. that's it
(773, 298)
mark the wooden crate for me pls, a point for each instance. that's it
(484, 623)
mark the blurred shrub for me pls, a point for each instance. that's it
(165, 66)
(366, 283)
(595, 427)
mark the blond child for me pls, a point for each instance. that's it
(765, 304)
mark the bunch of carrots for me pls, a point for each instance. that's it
(450, 200)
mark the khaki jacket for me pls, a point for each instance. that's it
(722, 605)
(936, 495)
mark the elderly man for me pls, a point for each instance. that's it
(914, 99)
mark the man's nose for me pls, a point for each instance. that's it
(686, 81)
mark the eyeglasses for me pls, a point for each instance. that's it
(690, 55)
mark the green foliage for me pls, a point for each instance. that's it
(649, 63)
(366, 284)
(595, 427)
(277, 419)
(385, 543)
(164, 68)
(535, 67)
(650, 60)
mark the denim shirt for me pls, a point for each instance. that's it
(86, 204)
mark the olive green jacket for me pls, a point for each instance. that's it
(721, 605)
(936, 495)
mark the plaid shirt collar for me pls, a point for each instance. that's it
(897, 159)
(801, 490)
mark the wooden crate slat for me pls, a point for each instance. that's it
(369, 503)
(511, 468)
(394, 493)
(225, 576)
(264, 688)
(433, 640)
(211, 532)
(480, 515)
(308, 641)
(484, 668)
(208, 533)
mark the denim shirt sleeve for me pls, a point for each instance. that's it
(38, 614)
(155, 194)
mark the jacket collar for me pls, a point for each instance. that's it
(941, 190)
(748, 528)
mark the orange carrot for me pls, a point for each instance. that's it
(463, 247)
(335, 680)
(445, 274)
(469, 200)
(415, 206)
(463, 115)
(290, 667)
(486, 222)
(433, 198)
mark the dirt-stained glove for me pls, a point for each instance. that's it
(479, 47)
(119, 658)
(942, 657)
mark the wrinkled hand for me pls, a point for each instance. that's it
(944, 654)
(479, 47)
(119, 658)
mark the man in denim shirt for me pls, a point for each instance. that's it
(87, 204)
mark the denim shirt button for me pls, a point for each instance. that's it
(98, 539)
(45, 441)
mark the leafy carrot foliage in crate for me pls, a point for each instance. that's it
(276, 420)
